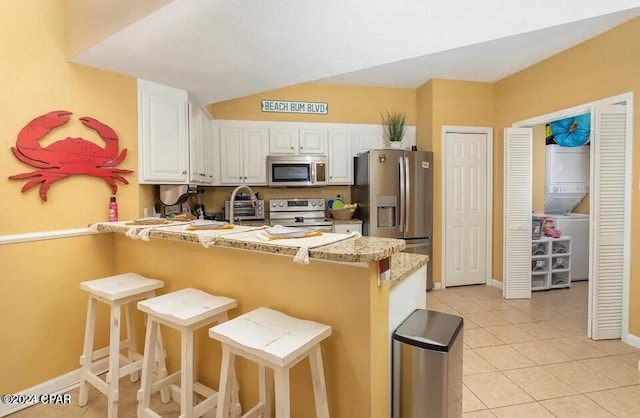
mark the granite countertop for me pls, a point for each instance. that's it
(403, 264)
(362, 249)
(346, 221)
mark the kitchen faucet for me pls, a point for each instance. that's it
(254, 199)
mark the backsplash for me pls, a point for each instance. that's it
(214, 197)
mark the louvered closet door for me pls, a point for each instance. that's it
(608, 206)
(517, 213)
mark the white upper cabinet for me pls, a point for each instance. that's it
(293, 140)
(200, 146)
(367, 139)
(243, 155)
(175, 143)
(340, 157)
(163, 134)
(313, 141)
(283, 140)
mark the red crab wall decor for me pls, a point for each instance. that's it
(69, 156)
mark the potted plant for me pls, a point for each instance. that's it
(393, 128)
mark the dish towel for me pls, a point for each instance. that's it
(209, 237)
(302, 244)
(134, 231)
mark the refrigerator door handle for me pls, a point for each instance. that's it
(407, 193)
(403, 192)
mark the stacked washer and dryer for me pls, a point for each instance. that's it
(566, 184)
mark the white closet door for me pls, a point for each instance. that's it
(517, 213)
(608, 207)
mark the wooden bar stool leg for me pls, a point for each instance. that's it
(266, 388)
(319, 388)
(186, 374)
(226, 382)
(114, 360)
(131, 338)
(283, 402)
(87, 351)
(161, 366)
(144, 394)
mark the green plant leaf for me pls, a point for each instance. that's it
(393, 124)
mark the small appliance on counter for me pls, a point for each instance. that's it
(245, 210)
(173, 198)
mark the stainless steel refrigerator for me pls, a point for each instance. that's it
(394, 191)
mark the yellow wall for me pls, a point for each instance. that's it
(35, 79)
(351, 357)
(347, 104)
(42, 310)
(463, 103)
(604, 66)
(424, 116)
(89, 22)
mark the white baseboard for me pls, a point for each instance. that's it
(497, 284)
(57, 385)
(437, 285)
(632, 340)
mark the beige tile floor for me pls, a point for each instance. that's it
(522, 358)
(531, 358)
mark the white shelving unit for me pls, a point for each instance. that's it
(551, 263)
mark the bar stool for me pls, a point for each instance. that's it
(186, 311)
(278, 342)
(115, 291)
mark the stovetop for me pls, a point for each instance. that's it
(298, 212)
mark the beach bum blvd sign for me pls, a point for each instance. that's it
(282, 106)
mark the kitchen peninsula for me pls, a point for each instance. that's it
(339, 287)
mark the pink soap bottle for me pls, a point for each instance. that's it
(113, 209)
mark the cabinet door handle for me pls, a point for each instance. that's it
(240, 178)
(211, 176)
(291, 147)
(184, 172)
(330, 177)
(245, 178)
(301, 147)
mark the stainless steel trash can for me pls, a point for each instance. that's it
(427, 366)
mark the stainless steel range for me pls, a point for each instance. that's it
(299, 213)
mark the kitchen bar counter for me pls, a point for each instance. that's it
(340, 287)
(403, 264)
(362, 249)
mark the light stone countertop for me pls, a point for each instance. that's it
(346, 221)
(403, 264)
(362, 249)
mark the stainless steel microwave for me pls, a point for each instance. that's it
(297, 170)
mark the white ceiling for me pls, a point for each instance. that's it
(224, 49)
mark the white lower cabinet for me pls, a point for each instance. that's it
(551, 263)
(243, 155)
(347, 228)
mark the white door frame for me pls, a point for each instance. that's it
(489, 253)
(626, 267)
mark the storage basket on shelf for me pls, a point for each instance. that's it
(344, 213)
